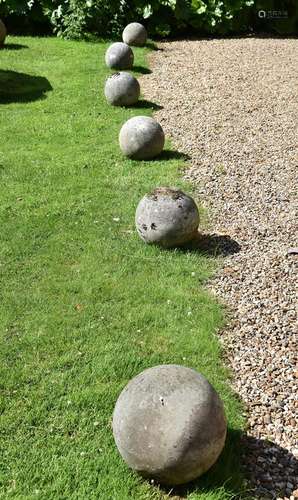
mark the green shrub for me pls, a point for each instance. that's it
(76, 18)
(14, 7)
(26, 16)
(81, 18)
(24, 7)
(107, 18)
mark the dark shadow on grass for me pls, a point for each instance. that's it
(14, 46)
(168, 154)
(142, 69)
(225, 473)
(143, 103)
(20, 87)
(212, 245)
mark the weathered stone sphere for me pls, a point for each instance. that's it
(135, 34)
(169, 424)
(119, 56)
(122, 89)
(3, 32)
(167, 217)
(141, 138)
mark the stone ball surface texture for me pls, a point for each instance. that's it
(122, 89)
(169, 424)
(119, 56)
(167, 217)
(135, 34)
(3, 32)
(141, 138)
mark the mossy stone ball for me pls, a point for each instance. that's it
(167, 217)
(141, 138)
(3, 32)
(169, 424)
(122, 89)
(119, 56)
(135, 34)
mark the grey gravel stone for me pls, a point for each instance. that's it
(122, 89)
(135, 34)
(292, 251)
(232, 106)
(141, 138)
(167, 217)
(119, 56)
(169, 424)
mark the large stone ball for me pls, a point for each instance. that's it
(122, 89)
(135, 34)
(169, 424)
(119, 56)
(141, 138)
(3, 32)
(167, 217)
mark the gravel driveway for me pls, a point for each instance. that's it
(231, 105)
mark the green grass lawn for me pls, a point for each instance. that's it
(84, 304)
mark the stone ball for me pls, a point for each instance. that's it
(169, 424)
(119, 56)
(167, 217)
(122, 89)
(3, 32)
(135, 34)
(141, 138)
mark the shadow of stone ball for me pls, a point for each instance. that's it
(3, 32)
(119, 56)
(21, 87)
(167, 217)
(134, 34)
(169, 424)
(122, 89)
(141, 138)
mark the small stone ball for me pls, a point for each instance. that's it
(141, 138)
(122, 89)
(119, 56)
(3, 32)
(169, 424)
(167, 217)
(135, 34)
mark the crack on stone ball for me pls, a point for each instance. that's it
(153, 226)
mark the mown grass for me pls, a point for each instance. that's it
(85, 305)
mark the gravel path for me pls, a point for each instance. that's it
(232, 106)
